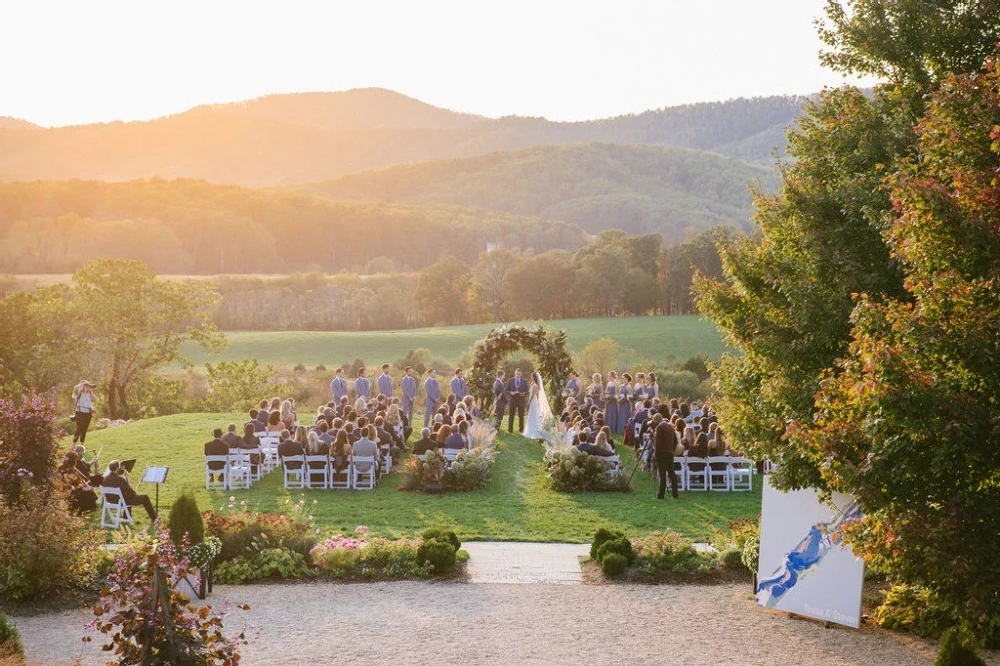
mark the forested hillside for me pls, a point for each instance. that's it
(640, 189)
(285, 139)
(192, 227)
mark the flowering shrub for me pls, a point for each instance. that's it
(147, 621)
(670, 551)
(244, 533)
(350, 556)
(572, 470)
(419, 472)
(27, 447)
(471, 470)
(266, 563)
(45, 549)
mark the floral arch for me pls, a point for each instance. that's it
(548, 347)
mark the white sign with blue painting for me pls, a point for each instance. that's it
(805, 568)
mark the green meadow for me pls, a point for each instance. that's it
(655, 339)
(517, 503)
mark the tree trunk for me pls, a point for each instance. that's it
(113, 397)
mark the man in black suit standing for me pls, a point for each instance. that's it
(500, 398)
(664, 442)
(517, 388)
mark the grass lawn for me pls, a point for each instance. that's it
(516, 505)
(652, 338)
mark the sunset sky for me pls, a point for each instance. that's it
(79, 62)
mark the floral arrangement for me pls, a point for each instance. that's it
(572, 470)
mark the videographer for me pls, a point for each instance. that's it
(83, 409)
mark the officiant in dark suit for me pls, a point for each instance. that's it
(517, 389)
(500, 398)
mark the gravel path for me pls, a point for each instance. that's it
(419, 623)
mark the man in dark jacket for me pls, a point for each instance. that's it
(425, 443)
(217, 447)
(115, 479)
(664, 442)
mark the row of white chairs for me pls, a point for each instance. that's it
(714, 473)
(361, 472)
(232, 471)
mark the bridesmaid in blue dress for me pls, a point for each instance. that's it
(611, 402)
(596, 391)
(624, 406)
(639, 387)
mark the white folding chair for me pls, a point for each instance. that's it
(217, 472)
(697, 473)
(386, 450)
(114, 511)
(741, 474)
(317, 466)
(680, 472)
(260, 434)
(294, 477)
(239, 471)
(257, 471)
(718, 473)
(269, 452)
(451, 455)
(341, 479)
(363, 467)
(614, 466)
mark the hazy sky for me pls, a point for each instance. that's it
(86, 61)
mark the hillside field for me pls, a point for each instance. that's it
(651, 338)
(517, 503)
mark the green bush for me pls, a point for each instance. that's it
(244, 533)
(614, 564)
(185, 519)
(914, 609)
(10, 642)
(670, 551)
(954, 652)
(442, 535)
(600, 536)
(267, 563)
(439, 554)
(470, 470)
(731, 558)
(621, 546)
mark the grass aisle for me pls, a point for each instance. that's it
(516, 505)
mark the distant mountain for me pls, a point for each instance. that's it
(285, 139)
(194, 227)
(6, 122)
(597, 186)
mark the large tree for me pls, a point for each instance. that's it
(135, 323)
(786, 301)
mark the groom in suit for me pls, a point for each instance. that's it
(500, 398)
(517, 387)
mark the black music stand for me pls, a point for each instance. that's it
(155, 475)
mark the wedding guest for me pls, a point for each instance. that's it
(408, 386)
(287, 415)
(289, 447)
(451, 403)
(611, 402)
(83, 410)
(443, 433)
(216, 447)
(250, 442)
(425, 443)
(470, 407)
(458, 385)
(598, 448)
(432, 395)
(365, 447)
(385, 382)
(454, 441)
(231, 439)
(340, 450)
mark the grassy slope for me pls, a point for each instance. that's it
(652, 338)
(516, 505)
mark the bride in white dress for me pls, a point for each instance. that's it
(540, 416)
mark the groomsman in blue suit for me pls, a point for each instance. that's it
(500, 398)
(408, 385)
(432, 396)
(458, 385)
(338, 387)
(362, 387)
(385, 383)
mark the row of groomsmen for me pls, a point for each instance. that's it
(362, 388)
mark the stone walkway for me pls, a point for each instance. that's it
(524, 563)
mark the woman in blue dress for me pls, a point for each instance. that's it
(624, 402)
(611, 402)
(595, 392)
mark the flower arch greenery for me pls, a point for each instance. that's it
(549, 348)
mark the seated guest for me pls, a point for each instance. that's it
(324, 434)
(316, 447)
(600, 447)
(216, 447)
(116, 478)
(445, 414)
(231, 439)
(250, 442)
(289, 447)
(583, 437)
(287, 415)
(253, 417)
(442, 434)
(385, 437)
(438, 423)
(454, 440)
(343, 406)
(340, 450)
(451, 403)
(607, 434)
(463, 430)
(425, 443)
(274, 424)
(470, 406)
(365, 447)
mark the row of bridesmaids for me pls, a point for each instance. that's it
(617, 397)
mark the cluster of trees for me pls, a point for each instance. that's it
(115, 324)
(597, 186)
(615, 275)
(867, 316)
(192, 227)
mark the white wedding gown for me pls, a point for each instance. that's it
(539, 414)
